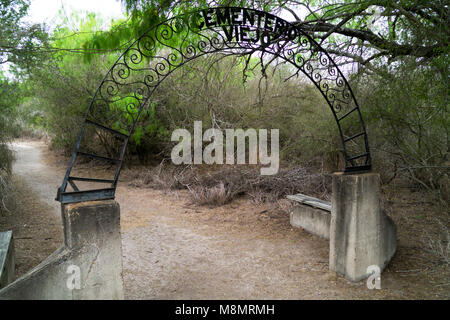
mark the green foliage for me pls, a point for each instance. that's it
(60, 89)
(9, 98)
(18, 40)
(407, 115)
(211, 89)
(143, 15)
(403, 93)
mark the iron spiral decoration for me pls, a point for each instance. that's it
(126, 90)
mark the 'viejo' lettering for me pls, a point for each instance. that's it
(246, 25)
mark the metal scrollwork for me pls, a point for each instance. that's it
(126, 89)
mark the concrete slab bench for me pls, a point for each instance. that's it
(362, 237)
(7, 261)
(311, 214)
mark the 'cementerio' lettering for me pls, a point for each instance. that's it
(246, 25)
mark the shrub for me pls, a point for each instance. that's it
(9, 97)
(408, 124)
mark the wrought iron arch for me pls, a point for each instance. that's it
(126, 89)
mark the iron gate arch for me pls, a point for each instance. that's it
(120, 98)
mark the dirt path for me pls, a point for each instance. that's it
(30, 165)
(175, 250)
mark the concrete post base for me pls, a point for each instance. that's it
(361, 234)
(87, 266)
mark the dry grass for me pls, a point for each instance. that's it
(6, 159)
(422, 224)
(216, 196)
(37, 232)
(439, 243)
(218, 186)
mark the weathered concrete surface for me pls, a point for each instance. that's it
(92, 243)
(315, 221)
(310, 201)
(361, 234)
(7, 258)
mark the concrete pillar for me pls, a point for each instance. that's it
(92, 229)
(361, 234)
(87, 266)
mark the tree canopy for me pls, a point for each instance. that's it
(368, 32)
(400, 49)
(21, 44)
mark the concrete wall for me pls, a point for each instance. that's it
(92, 246)
(361, 234)
(7, 259)
(313, 220)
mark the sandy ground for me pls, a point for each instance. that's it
(173, 249)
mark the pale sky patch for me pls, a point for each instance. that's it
(46, 11)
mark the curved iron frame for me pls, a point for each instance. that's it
(120, 99)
